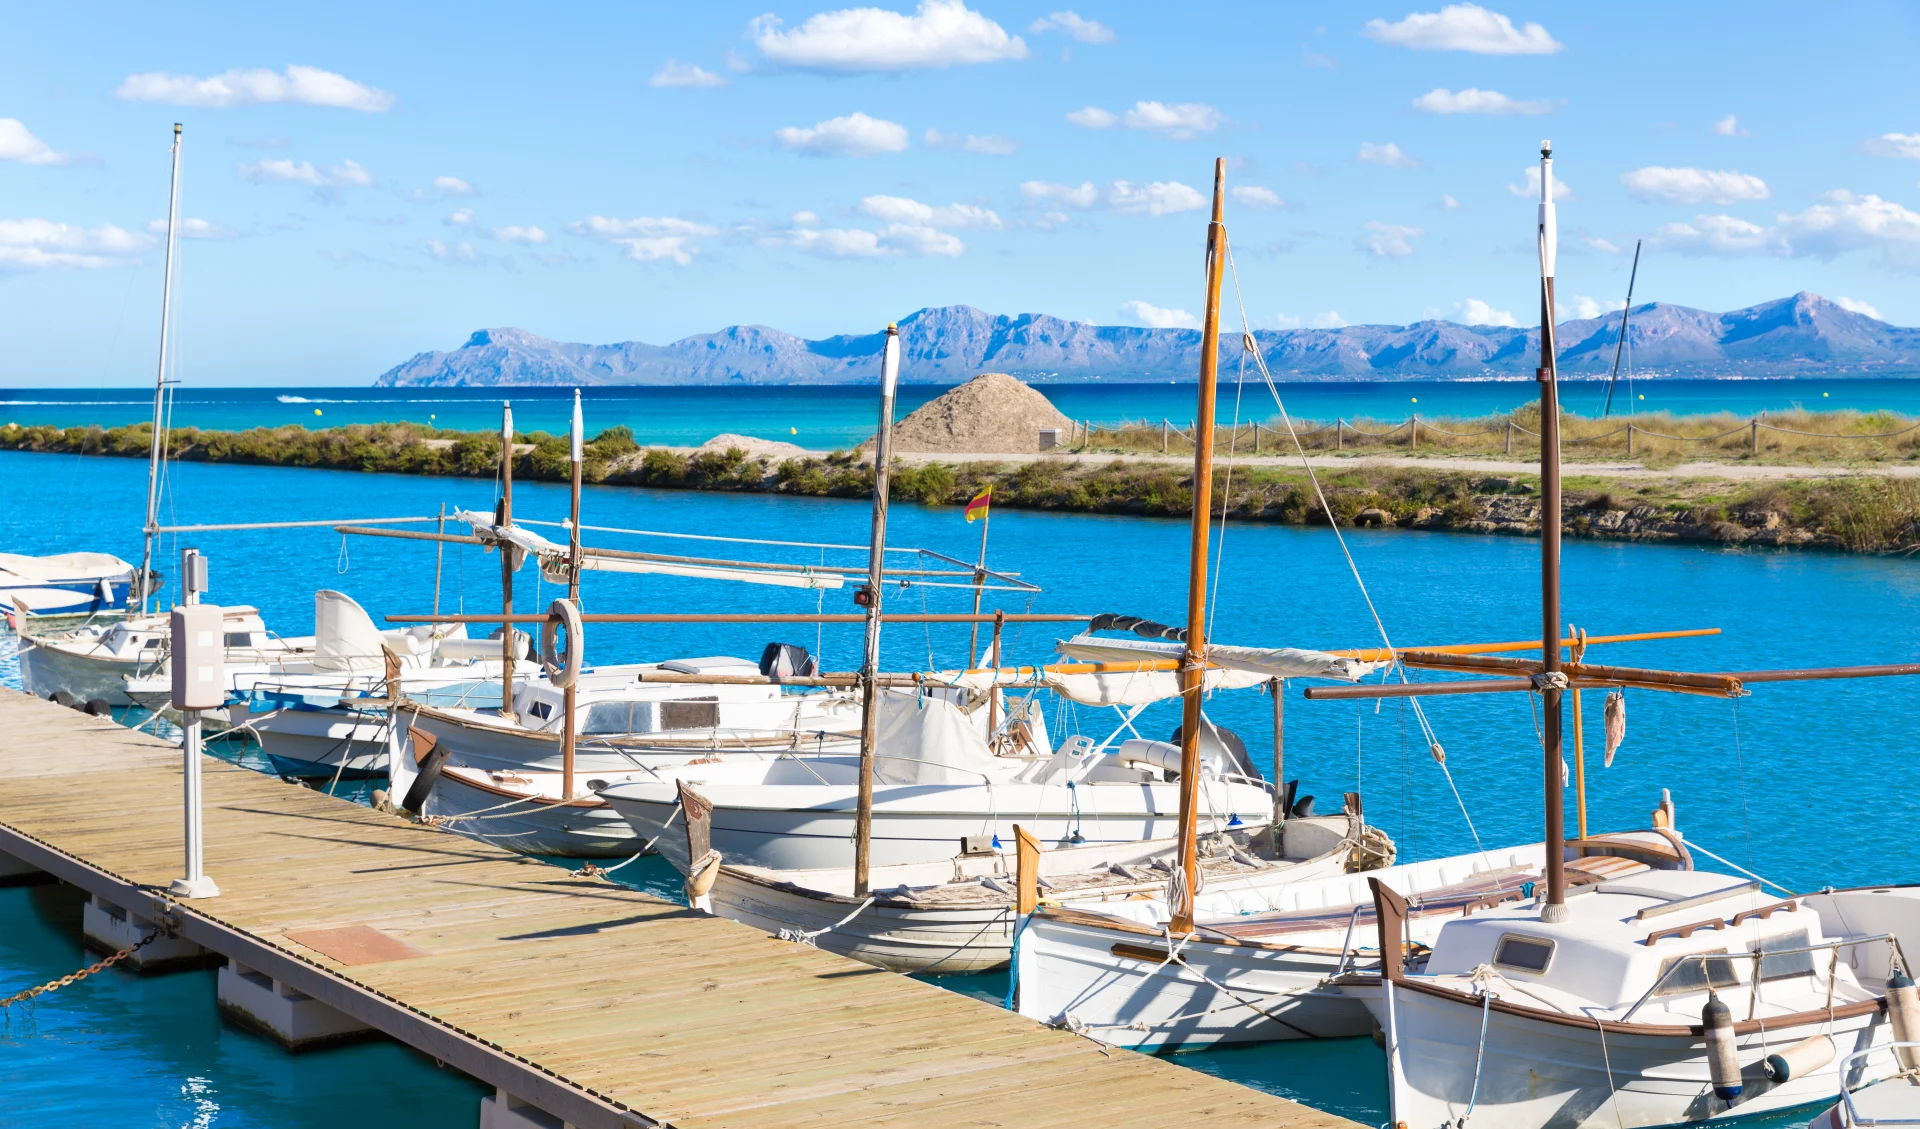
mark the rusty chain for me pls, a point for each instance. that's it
(76, 977)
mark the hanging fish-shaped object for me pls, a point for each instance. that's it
(1616, 722)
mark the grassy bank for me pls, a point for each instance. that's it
(1865, 513)
(1652, 439)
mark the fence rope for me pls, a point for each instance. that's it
(1634, 429)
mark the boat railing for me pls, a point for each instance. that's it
(1846, 1068)
(1756, 955)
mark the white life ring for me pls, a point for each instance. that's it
(562, 667)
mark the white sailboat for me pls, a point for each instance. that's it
(36, 589)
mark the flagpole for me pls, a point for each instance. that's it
(980, 580)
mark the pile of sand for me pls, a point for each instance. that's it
(755, 448)
(992, 414)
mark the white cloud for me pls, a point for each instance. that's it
(855, 135)
(1093, 117)
(306, 86)
(1084, 197)
(992, 144)
(1473, 100)
(452, 186)
(462, 252)
(1388, 155)
(1579, 307)
(1729, 126)
(1473, 311)
(1529, 186)
(1905, 145)
(676, 73)
(1463, 27)
(190, 228)
(1858, 307)
(1692, 186)
(1711, 235)
(1847, 222)
(17, 143)
(1286, 321)
(1329, 319)
(1160, 198)
(900, 209)
(1388, 240)
(1254, 196)
(346, 174)
(1605, 247)
(1154, 317)
(859, 243)
(806, 219)
(647, 239)
(1075, 25)
(37, 244)
(1179, 121)
(459, 218)
(941, 33)
(1448, 203)
(514, 234)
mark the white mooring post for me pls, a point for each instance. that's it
(198, 645)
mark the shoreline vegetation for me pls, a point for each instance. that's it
(1863, 512)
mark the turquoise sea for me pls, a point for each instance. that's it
(1805, 783)
(823, 418)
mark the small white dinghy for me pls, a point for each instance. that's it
(64, 584)
(96, 661)
(935, 785)
(1895, 1101)
(523, 811)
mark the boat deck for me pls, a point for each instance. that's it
(601, 1005)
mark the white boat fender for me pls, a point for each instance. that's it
(562, 667)
(1800, 1059)
(1903, 1008)
(1723, 1060)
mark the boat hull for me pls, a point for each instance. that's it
(45, 670)
(1537, 1074)
(893, 936)
(322, 743)
(584, 830)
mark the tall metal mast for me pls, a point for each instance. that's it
(1621, 344)
(1551, 679)
(151, 531)
(870, 656)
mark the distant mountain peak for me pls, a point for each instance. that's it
(1800, 334)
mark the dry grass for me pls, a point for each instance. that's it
(1658, 439)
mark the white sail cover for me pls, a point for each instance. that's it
(344, 637)
(1266, 662)
(553, 560)
(926, 740)
(62, 568)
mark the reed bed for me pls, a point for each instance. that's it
(1656, 439)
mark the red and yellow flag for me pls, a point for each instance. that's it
(978, 506)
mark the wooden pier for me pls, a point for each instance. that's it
(595, 1004)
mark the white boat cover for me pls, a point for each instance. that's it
(1268, 662)
(553, 560)
(921, 739)
(62, 568)
(344, 637)
(1111, 688)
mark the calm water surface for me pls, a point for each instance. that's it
(821, 418)
(1805, 783)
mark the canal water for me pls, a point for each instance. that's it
(1804, 783)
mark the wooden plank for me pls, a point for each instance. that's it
(593, 995)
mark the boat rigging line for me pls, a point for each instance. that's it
(1620, 345)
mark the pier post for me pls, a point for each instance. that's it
(108, 928)
(289, 1016)
(504, 1111)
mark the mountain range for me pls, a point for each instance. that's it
(1801, 335)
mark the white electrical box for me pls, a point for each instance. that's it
(199, 657)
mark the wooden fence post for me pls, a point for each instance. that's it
(1256, 439)
(1413, 432)
(1339, 434)
(1163, 435)
(1509, 437)
(1629, 439)
(1753, 437)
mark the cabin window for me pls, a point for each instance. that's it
(608, 717)
(541, 710)
(239, 639)
(1786, 965)
(1682, 975)
(1523, 954)
(690, 713)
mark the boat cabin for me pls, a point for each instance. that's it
(618, 701)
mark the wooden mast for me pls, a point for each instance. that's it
(1554, 908)
(151, 531)
(503, 520)
(870, 660)
(1193, 661)
(573, 597)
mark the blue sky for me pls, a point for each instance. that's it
(368, 181)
